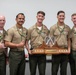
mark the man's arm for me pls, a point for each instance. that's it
(69, 45)
(13, 45)
(27, 47)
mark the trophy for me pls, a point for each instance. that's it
(49, 46)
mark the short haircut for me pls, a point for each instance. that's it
(20, 14)
(60, 12)
(41, 12)
(74, 14)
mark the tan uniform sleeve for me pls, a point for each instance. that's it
(51, 32)
(69, 33)
(26, 35)
(29, 34)
(9, 35)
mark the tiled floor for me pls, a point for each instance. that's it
(48, 69)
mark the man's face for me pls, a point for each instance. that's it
(40, 17)
(20, 19)
(2, 21)
(74, 19)
(61, 17)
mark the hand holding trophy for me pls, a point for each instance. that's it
(49, 46)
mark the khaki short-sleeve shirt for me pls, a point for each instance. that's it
(60, 37)
(73, 38)
(16, 35)
(37, 36)
(2, 36)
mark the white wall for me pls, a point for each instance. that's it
(10, 8)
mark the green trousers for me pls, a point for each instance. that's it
(2, 64)
(59, 60)
(17, 62)
(39, 60)
(72, 61)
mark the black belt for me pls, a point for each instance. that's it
(15, 49)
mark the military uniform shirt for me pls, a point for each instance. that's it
(60, 36)
(37, 36)
(16, 35)
(73, 37)
(3, 33)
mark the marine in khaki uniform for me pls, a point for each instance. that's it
(36, 35)
(16, 39)
(72, 57)
(60, 31)
(3, 49)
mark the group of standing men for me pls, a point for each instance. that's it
(17, 38)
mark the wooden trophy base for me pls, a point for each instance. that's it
(44, 49)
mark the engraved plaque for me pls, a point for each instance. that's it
(45, 49)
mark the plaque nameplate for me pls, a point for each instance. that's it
(45, 49)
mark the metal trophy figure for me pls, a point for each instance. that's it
(50, 41)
